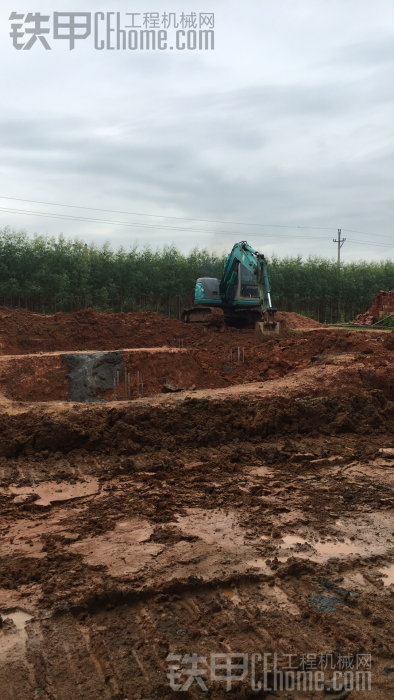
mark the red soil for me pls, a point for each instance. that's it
(24, 332)
(203, 364)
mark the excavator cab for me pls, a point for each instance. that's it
(247, 284)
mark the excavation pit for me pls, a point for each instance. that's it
(89, 376)
(255, 513)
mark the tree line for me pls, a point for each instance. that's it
(46, 275)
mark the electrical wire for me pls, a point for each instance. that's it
(69, 217)
(382, 245)
(163, 216)
(185, 218)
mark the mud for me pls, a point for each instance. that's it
(249, 513)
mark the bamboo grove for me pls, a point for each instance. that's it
(47, 275)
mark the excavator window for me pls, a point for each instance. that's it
(249, 288)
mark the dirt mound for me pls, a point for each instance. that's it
(24, 332)
(291, 321)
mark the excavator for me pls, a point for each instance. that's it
(242, 297)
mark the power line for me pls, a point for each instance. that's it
(179, 218)
(315, 238)
(381, 245)
(69, 217)
(350, 230)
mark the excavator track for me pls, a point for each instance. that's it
(204, 315)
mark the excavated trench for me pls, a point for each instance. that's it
(92, 376)
(250, 514)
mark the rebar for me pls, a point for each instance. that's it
(239, 354)
(125, 386)
(142, 386)
(114, 387)
(138, 385)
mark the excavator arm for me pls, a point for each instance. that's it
(243, 253)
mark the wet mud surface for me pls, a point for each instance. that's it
(250, 514)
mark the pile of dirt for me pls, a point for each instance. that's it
(292, 321)
(23, 332)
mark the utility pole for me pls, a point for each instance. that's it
(340, 244)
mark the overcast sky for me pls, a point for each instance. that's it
(288, 121)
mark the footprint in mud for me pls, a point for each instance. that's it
(323, 549)
(388, 575)
(231, 594)
(12, 631)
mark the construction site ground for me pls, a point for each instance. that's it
(242, 506)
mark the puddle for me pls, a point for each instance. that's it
(334, 547)
(327, 548)
(232, 595)
(12, 636)
(19, 618)
(217, 527)
(291, 540)
(388, 572)
(123, 550)
(50, 491)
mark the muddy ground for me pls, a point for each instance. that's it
(249, 514)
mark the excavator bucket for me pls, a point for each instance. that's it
(267, 325)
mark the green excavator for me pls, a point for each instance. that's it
(241, 298)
